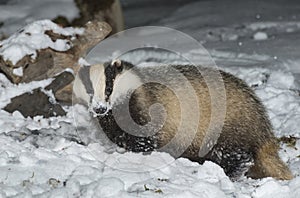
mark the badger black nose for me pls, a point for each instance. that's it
(100, 110)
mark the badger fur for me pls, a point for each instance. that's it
(246, 143)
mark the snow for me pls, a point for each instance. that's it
(68, 157)
(270, 188)
(260, 36)
(18, 71)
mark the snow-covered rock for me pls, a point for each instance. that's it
(32, 38)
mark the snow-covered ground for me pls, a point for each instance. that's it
(67, 157)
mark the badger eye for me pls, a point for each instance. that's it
(108, 90)
(120, 68)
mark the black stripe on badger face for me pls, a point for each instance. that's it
(111, 71)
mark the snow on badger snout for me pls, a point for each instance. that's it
(246, 144)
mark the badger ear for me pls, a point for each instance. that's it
(117, 63)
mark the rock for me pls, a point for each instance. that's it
(38, 102)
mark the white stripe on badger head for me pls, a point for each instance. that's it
(97, 77)
(124, 82)
(79, 90)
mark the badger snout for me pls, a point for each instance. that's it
(100, 110)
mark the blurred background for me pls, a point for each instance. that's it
(268, 27)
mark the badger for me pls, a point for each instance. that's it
(246, 144)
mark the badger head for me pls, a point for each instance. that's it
(106, 85)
